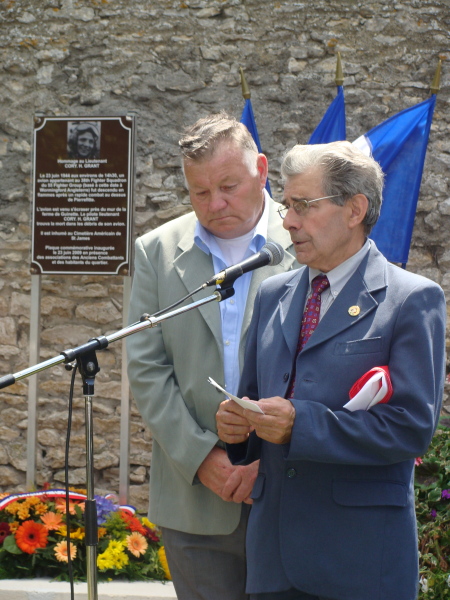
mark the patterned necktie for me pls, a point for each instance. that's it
(312, 310)
(310, 320)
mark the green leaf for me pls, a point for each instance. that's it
(10, 545)
(434, 495)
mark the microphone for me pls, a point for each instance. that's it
(270, 254)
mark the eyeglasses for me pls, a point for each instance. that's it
(301, 206)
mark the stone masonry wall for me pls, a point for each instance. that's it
(171, 62)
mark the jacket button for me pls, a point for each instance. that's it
(285, 376)
(291, 473)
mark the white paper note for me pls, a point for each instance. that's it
(240, 401)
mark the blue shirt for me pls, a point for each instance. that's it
(232, 310)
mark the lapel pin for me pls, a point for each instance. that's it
(354, 311)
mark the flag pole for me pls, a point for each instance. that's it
(245, 89)
(339, 79)
(248, 119)
(436, 83)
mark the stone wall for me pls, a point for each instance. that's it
(170, 62)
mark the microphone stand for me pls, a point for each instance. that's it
(86, 359)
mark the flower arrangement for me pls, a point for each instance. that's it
(432, 487)
(33, 539)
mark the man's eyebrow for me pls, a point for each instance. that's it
(298, 198)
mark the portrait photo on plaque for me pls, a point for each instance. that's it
(83, 139)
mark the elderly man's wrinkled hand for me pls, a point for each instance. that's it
(232, 426)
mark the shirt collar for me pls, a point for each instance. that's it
(339, 276)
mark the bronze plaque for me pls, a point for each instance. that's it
(82, 195)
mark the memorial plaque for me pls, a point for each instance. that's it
(82, 195)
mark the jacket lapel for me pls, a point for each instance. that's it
(369, 277)
(291, 306)
(275, 233)
(194, 267)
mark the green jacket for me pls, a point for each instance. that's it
(168, 368)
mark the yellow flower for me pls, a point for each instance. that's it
(23, 512)
(102, 531)
(113, 557)
(163, 560)
(148, 523)
(104, 562)
(78, 490)
(13, 507)
(14, 526)
(61, 551)
(78, 534)
(32, 501)
(136, 543)
(115, 546)
(41, 508)
(121, 560)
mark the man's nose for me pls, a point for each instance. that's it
(292, 220)
(217, 201)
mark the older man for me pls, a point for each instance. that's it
(196, 495)
(333, 504)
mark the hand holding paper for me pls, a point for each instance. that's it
(374, 387)
(244, 403)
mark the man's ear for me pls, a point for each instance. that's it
(263, 168)
(359, 205)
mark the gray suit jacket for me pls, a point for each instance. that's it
(333, 512)
(169, 366)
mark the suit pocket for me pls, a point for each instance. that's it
(258, 486)
(370, 493)
(366, 346)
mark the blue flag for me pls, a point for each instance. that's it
(332, 126)
(399, 145)
(248, 119)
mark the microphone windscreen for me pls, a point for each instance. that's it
(275, 252)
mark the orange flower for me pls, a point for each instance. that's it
(136, 543)
(133, 523)
(60, 505)
(61, 551)
(31, 535)
(52, 521)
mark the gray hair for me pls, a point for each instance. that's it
(201, 140)
(345, 170)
